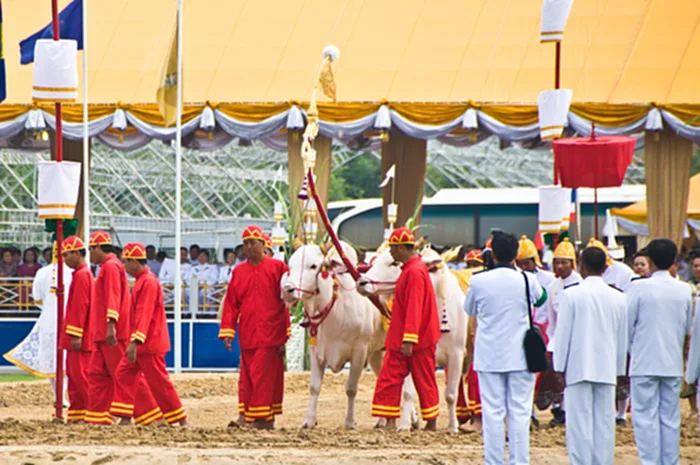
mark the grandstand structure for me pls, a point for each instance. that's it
(133, 193)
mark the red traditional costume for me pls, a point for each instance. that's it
(77, 325)
(149, 328)
(414, 319)
(110, 301)
(253, 303)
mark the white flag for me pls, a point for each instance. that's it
(390, 174)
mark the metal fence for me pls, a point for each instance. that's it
(199, 300)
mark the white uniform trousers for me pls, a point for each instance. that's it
(590, 423)
(656, 417)
(506, 395)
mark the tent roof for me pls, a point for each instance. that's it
(638, 211)
(621, 51)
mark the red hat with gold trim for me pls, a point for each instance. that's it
(401, 236)
(72, 244)
(253, 232)
(100, 238)
(134, 251)
(474, 256)
(268, 241)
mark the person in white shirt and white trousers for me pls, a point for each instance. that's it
(659, 318)
(590, 348)
(497, 298)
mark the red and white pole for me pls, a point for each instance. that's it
(59, 238)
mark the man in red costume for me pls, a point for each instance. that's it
(412, 338)
(253, 303)
(149, 342)
(109, 324)
(75, 336)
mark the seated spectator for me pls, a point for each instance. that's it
(16, 255)
(8, 266)
(194, 254)
(30, 264)
(226, 269)
(151, 261)
(206, 275)
(46, 256)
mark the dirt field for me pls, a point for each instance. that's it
(28, 437)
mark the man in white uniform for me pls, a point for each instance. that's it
(659, 319)
(590, 347)
(693, 370)
(564, 258)
(206, 275)
(620, 276)
(497, 298)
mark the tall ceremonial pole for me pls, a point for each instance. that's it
(86, 136)
(178, 198)
(59, 237)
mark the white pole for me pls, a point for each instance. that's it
(178, 198)
(86, 136)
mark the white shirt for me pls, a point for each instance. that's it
(205, 273)
(167, 271)
(551, 307)
(693, 372)
(497, 299)
(619, 275)
(225, 273)
(591, 334)
(659, 313)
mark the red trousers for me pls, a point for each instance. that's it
(244, 394)
(152, 368)
(473, 393)
(259, 382)
(101, 379)
(77, 364)
(396, 366)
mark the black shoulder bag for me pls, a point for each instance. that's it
(535, 348)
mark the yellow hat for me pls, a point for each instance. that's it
(593, 242)
(565, 251)
(527, 249)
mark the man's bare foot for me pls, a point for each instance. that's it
(184, 423)
(472, 426)
(431, 425)
(389, 425)
(124, 422)
(262, 425)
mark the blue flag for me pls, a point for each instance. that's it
(71, 21)
(3, 84)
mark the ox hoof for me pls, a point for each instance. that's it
(381, 423)
(404, 429)
(350, 426)
(309, 424)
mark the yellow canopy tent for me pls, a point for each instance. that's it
(633, 218)
(429, 60)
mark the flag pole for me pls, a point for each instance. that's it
(86, 137)
(59, 237)
(178, 198)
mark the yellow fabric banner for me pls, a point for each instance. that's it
(166, 96)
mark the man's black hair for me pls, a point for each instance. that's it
(662, 253)
(183, 248)
(205, 252)
(108, 248)
(504, 246)
(151, 247)
(195, 246)
(83, 253)
(593, 260)
(161, 255)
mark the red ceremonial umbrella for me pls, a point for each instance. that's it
(592, 162)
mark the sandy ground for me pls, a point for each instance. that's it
(27, 435)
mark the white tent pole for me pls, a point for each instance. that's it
(86, 136)
(178, 198)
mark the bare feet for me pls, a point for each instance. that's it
(431, 425)
(124, 422)
(472, 426)
(262, 425)
(389, 424)
(184, 423)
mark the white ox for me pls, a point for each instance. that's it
(349, 328)
(451, 349)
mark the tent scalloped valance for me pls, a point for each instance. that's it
(349, 120)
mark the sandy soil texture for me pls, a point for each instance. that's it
(27, 435)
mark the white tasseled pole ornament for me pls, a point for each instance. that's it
(332, 52)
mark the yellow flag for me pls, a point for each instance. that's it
(167, 91)
(326, 79)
